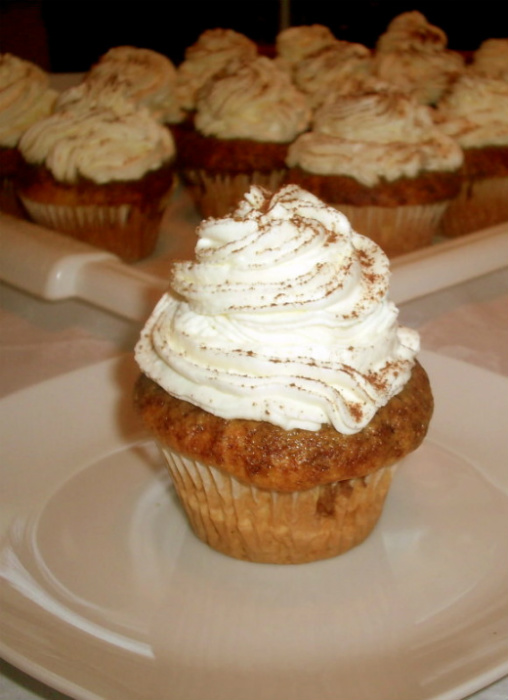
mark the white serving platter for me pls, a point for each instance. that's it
(106, 593)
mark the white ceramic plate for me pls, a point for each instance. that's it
(107, 594)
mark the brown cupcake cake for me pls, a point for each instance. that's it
(245, 118)
(100, 174)
(278, 383)
(377, 155)
(475, 114)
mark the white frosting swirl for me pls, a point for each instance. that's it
(146, 77)
(284, 318)
(475, 112)
(375, 135)
(254, 100)
(99, 144)
(212, 51)
(491, 59)
(25, 97)
(324, 73)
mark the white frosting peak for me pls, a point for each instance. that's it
(284, 317)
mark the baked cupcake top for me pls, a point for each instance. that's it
(373, 136)
(323, 73)
(491, 59)
(144, 76)
(284, 317)
(25, 97)
(412, 54)
(253, 100)
(475, 112)
(100, 144)
(212, 51)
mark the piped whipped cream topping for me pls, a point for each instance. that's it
(212, 51)
(146, 77)
(100, 144)
(284, 317)
(491, 59)
(25, 97)
(254, 100)
(412, 54)
(370, 136)
(475, 112)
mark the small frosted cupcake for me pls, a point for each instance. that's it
(278, 383)
(25, 97)
(212, 51)
(245, 119)
(101, 175)
(413, 55)
(146, 77)
(475, 113)
(379, 158)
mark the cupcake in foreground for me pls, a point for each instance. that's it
(379, 158)
(278, 382)
(25, 97)
(245, 118)
(100, 174)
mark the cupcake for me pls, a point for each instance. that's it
(378, 157)
(146, 77)
(245, 118)
(413, 55)
(278, 383)
(100, 174)
(475, 114)
(212, 51)
(25, 97)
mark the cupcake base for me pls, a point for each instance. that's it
(263, 526)
(121, 217)
(218, 195)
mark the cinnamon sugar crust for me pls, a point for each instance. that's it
(269, 457)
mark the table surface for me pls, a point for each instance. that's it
(41, 339)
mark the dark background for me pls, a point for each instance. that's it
(70, 35)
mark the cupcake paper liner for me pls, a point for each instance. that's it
(397, 230)
(218, 194)
(127, 231)
(481, 203)
(258, 525)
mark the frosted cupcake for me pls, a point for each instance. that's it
(146, 77)
(245, 119)
(101, 175)
(379, 158)
(413, 55)
(25, 97)
(475, 113)
(278, 382)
